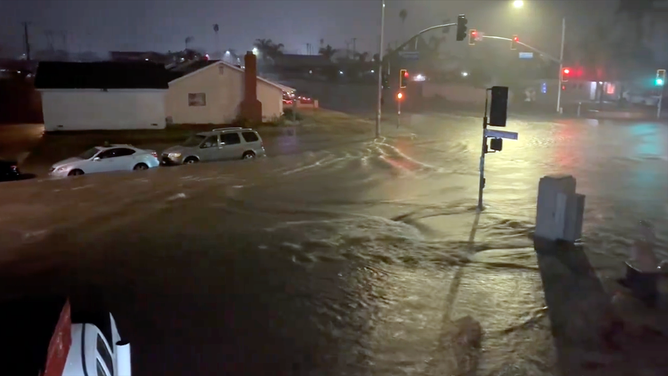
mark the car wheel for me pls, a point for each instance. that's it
(140, 166)
(190, 160)
(248, 155)
(76, 172)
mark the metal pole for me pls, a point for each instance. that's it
(561, 62)
(399, 110)
(26, 36)
(380, 70)
(481, 184)
(658, 107)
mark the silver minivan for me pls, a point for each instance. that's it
(217, 145)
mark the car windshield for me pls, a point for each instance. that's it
(88, 154)
(193, 140)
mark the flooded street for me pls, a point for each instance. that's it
(352, 259)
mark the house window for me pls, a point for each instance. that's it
(609, 88)
(196, 99)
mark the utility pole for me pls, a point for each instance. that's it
(380, 69)
(561, 63)
(354, 46)
(26, 37)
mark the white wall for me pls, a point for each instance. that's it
(272, 100)
(89, 109)
(224, 89)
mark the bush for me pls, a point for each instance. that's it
(288, 112)
(242, 122)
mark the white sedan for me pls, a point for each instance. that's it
(644, 98)
(106, 159)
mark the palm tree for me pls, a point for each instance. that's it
(362, 56)
(188, 41)
(275, 50)
(327, 52)
(216, 28)
(403, 14)
(263, 46)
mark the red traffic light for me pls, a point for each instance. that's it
(406, 74)
(474, 32)
(567, 71)
(516, 39)
(399, 96)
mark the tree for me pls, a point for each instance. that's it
(402, 15)
(362, 56)
(268, 49)
(327, 52)
(188, 41)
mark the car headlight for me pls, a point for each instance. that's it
(174, 155)
(61, 169)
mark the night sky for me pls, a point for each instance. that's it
(161, 25)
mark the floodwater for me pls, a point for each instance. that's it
(350, 260)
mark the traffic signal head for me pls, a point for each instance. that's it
(461, 27)
(403, 78)
(660, 77)
(513, 43)
(472, 36)
(565, 74)
(399, 96)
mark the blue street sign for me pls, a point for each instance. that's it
(410, 55)
(501, 134)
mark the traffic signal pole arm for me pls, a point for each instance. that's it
(525, 45)
(410, 40)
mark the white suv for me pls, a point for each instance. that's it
(216, 145)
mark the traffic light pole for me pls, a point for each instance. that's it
(380, 72)
(481, 183)
(561, 64)
(399, 110)
(658, 107)
(389, 55)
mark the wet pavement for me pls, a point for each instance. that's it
(343, 258)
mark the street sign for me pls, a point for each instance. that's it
(410, 55)
(526, 55)
(501, 134)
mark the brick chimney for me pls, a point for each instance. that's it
(251, 107)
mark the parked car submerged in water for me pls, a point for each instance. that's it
(217, 145)
(106, 159)
(9, 170)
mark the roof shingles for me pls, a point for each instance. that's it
(101, 75)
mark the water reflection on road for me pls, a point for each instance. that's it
(340, 260)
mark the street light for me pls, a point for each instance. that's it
(520, 4)
(380, 69)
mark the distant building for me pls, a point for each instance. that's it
(102, 95)
(210, 92)
(301, 62)
(136, 56)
